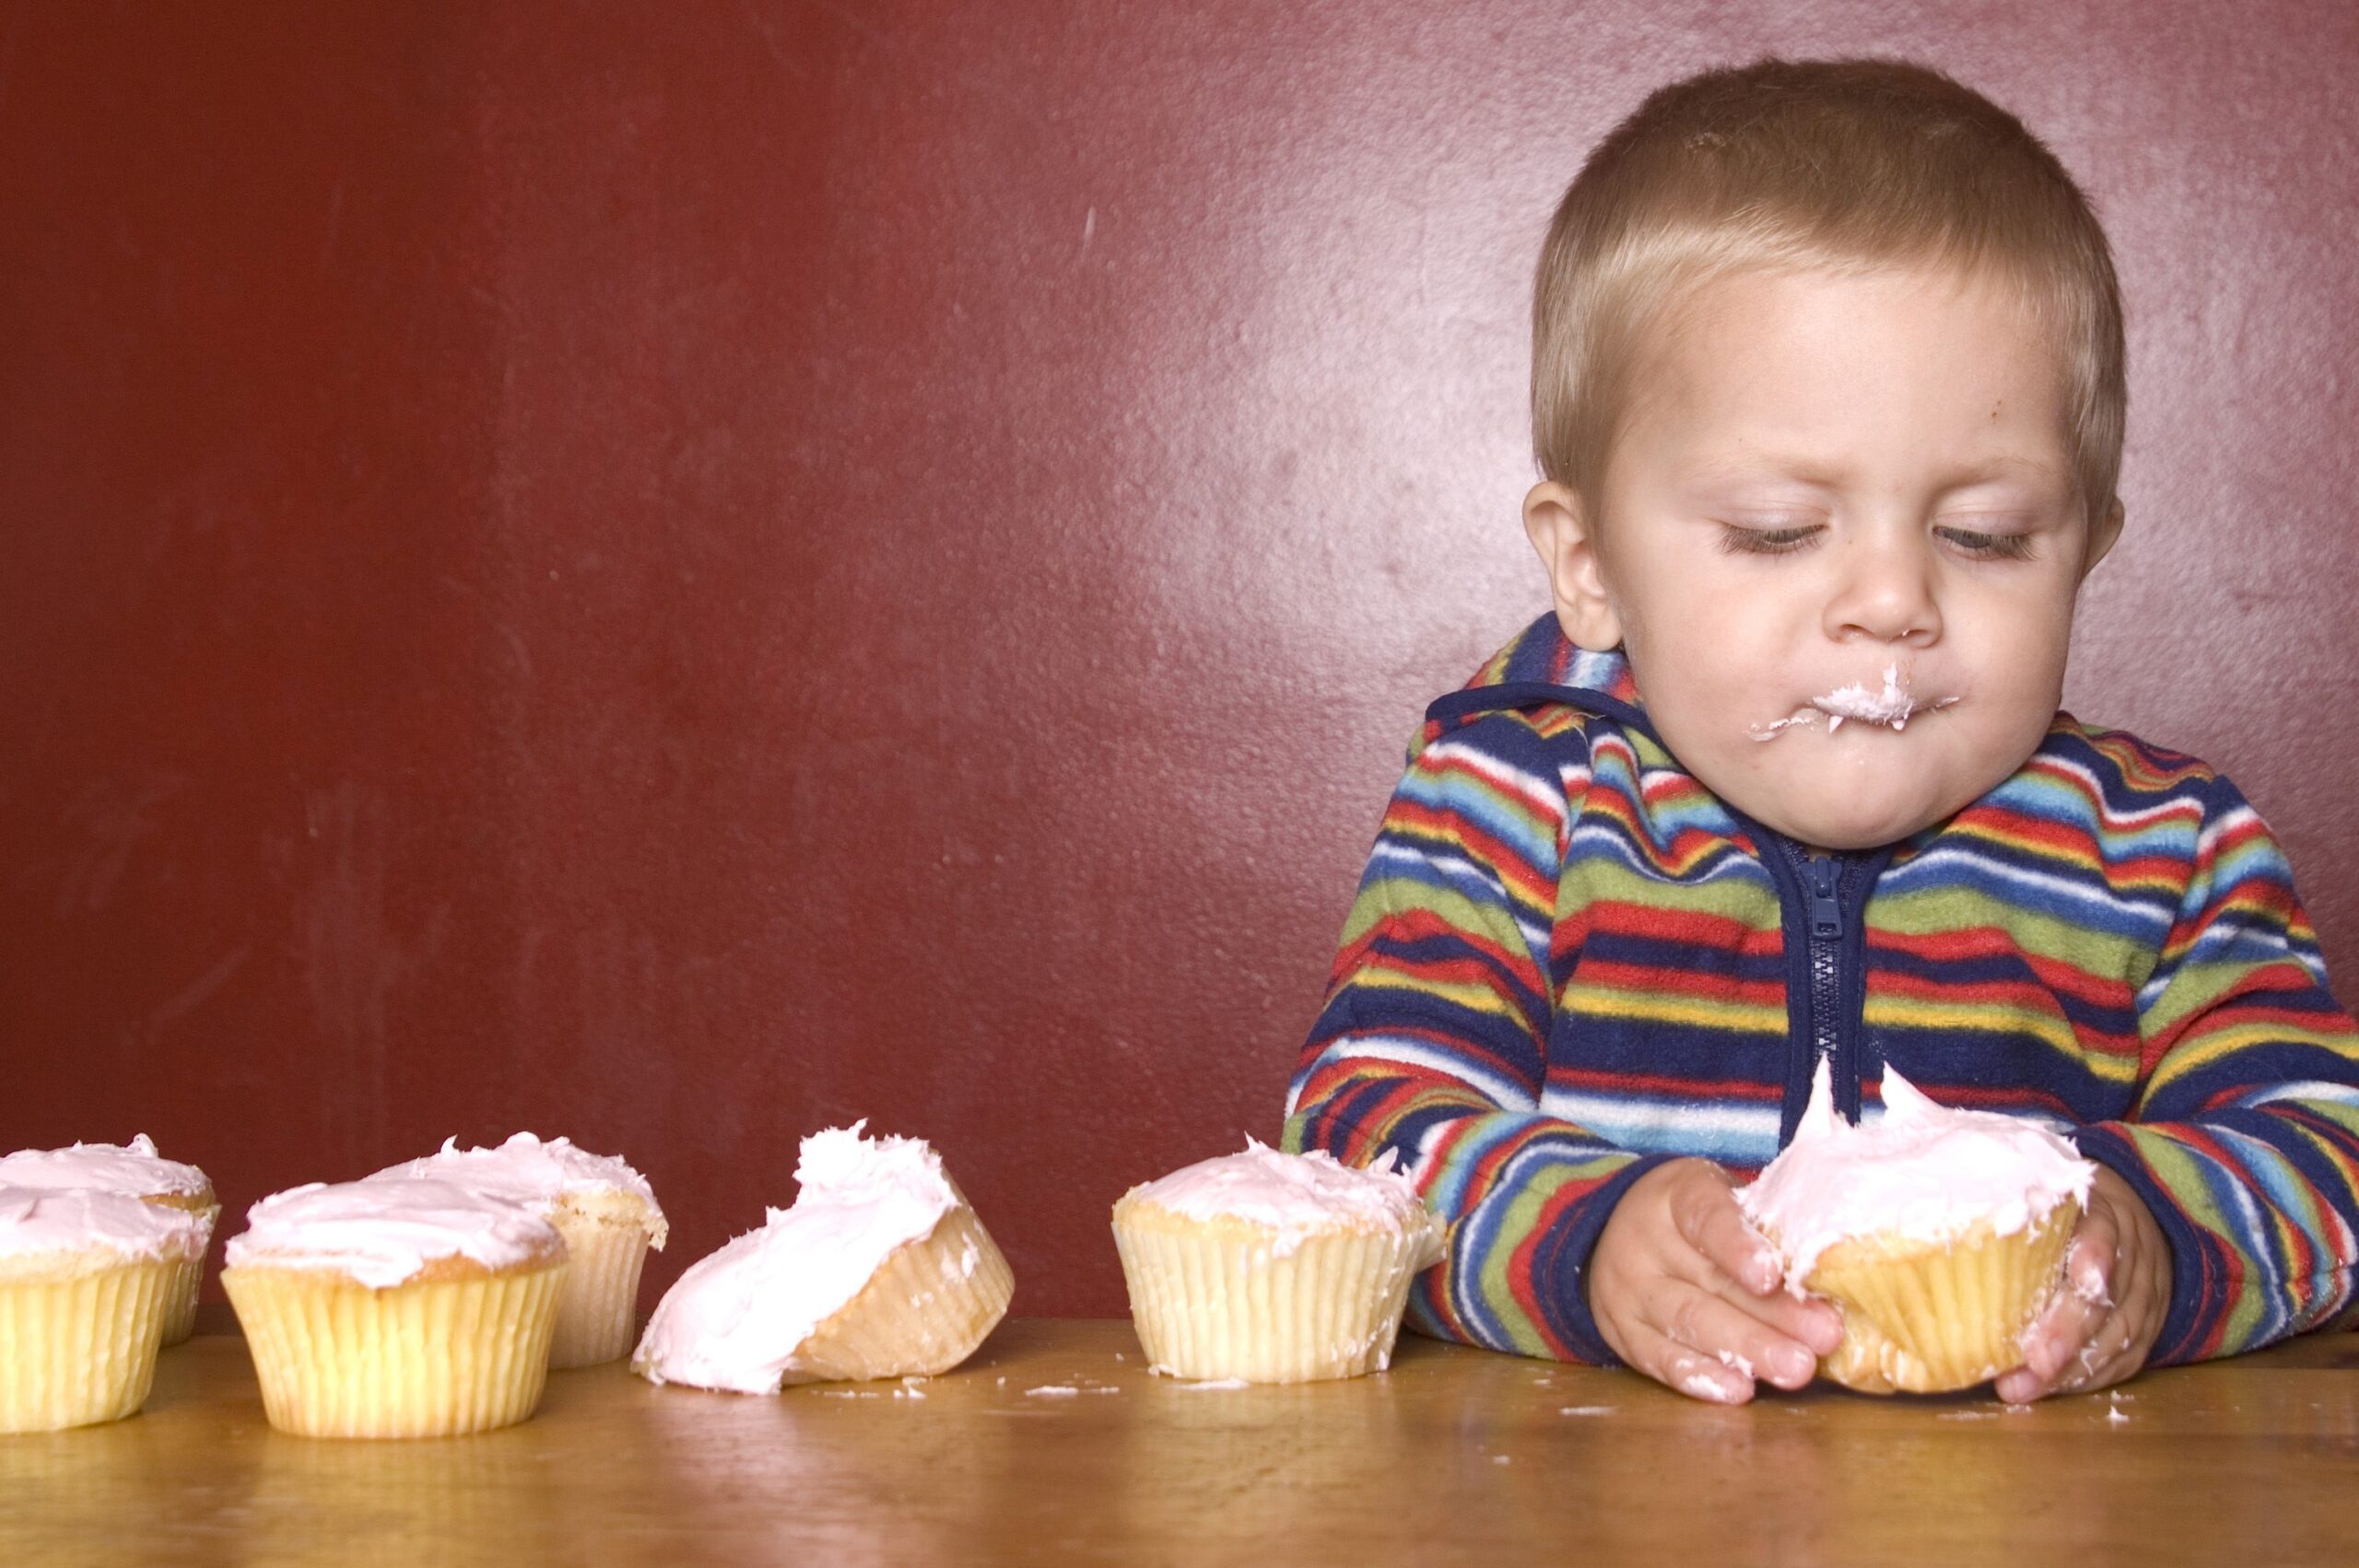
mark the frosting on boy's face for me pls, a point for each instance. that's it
(1841, 536)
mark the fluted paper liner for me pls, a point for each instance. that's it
(929, 1306)
(597, 1311)
(180, 1314)
(429, 1358)
(80, 1348)
(1923, 1318)
(1217, 1299)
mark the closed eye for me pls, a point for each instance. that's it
(1989, 546)
(1739, 541)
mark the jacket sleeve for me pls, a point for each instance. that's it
(2244, 1140)
(1433, 1039)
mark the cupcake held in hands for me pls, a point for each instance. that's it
(1940, 1235)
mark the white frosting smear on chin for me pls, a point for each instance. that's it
(1922, 1170)
(383, 1232)
(45, 1219)
(1296, 1195)
(532, 1170)
(134, 1168)
(736, 1318)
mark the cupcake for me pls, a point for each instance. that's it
(1939, 1234)
(880, 1270)
(86, 1287)
(138, 1170)
(1272, 1268)
(604, 1210)
(396, 1308)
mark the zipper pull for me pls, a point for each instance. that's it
(1826, 910)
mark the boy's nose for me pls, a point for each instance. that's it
(1885, 595)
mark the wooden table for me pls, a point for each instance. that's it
(1454, 1455)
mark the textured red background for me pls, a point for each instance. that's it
(681, 574)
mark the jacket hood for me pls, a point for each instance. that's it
(1542, 653)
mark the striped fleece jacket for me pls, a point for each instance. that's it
(1568, 961)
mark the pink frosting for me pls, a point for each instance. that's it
(382, 1232)
(1922, 1170)
(65, 1220)
(534, 1170)
(134, 1168)
(1298, 1196)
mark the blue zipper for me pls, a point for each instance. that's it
(1823, 884)
(1822, 896)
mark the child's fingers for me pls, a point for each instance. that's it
(1691, 1372)
(1737, 1264)
(2062, 1348)
(1809, 1321)
(2107, 1356)
(1733, 1335)
(1705, 1210)
(2089, 1261)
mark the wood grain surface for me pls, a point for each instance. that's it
(1454, 1455)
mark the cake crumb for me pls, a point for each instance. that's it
(1052, 1391)
(1587, 1409)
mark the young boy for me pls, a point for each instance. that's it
(1828, 389)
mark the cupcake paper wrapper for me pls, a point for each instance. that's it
(597, 1311)
(428, 1359)
(1220, 1301)
(77, 1350)
(180, 1314)
(1926, 1320)
(928, 1306)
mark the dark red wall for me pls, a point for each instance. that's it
(680, 573)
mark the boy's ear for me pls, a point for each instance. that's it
(2102, 534)
(1565, 537)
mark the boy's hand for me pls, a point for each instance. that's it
(2101, 1327)
(1687, 1292)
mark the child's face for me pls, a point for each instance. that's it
(1823, 479)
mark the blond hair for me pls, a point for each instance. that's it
(1850, 166)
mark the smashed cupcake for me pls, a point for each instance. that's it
(1270, 1268)
(605, 1211)
(1940, 1235)
(880, 1270)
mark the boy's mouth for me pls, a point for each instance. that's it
(1893, 706)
